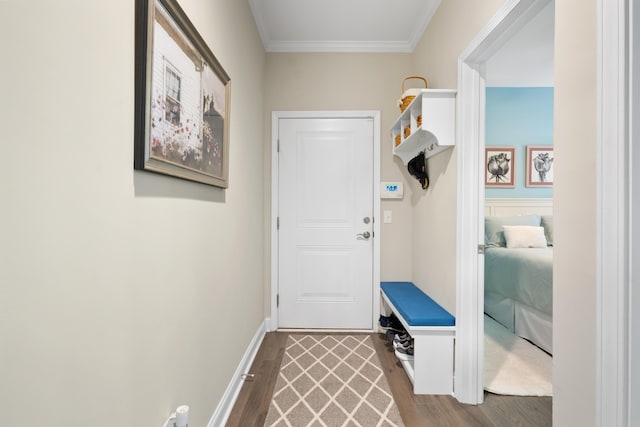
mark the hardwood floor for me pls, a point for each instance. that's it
(252, 404)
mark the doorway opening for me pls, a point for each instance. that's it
(469, 381)
(518, 179)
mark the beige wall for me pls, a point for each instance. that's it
(347, 82)
(455, 24)
(122, 294)
(574, 274)
(117, 288)
(452, 28)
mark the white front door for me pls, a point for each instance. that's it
(325, 246)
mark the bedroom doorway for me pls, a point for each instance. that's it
(518, 263)
(469, 379)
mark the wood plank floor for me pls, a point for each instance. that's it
(252, 404)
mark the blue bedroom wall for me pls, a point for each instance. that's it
(517, 117)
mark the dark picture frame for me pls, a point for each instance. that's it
(539, 166)
(499, 167)
(182, 96)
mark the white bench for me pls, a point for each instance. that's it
(433, 331)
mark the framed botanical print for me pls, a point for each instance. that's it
(499, 170)
(539, 166)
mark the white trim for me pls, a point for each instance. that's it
(256, 11)
(470, 212)
(222, 412)
(377, 219)
(275, 117)
(419, 30)
(511, 17)
(275, 197)
(612, 185)
(377, 46)
(338, 46)
(633, 68)
(509, 206)
(469, 355)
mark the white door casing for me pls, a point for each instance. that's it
(469, 355)
(633, 142)
(613, 391)
(324, 184)
(616, 379)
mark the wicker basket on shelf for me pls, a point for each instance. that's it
(409, 94)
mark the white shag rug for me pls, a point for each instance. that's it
(512, 365)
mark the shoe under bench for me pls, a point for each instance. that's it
(433, 331)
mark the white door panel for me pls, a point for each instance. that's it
(325, 192)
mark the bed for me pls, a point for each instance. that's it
(518, 279)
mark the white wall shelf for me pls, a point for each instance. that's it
(428, 124)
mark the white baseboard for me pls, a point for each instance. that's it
(222, 412)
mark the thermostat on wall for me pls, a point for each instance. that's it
(391, 190)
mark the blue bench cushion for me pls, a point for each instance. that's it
(416, 307)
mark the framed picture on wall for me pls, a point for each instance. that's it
(181, 98)
(499, 170)
(539, 166)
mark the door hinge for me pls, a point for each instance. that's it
(277, 223)
(278, 147)
(277, 300)
(480, 249)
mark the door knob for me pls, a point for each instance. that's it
(365, 235)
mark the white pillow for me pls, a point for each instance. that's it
(524, 236)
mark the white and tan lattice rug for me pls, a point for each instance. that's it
(331, 380)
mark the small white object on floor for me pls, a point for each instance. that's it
(512, 365)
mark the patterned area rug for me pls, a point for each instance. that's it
(331, 380)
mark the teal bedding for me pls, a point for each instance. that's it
(518, 276)
(518, 282)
